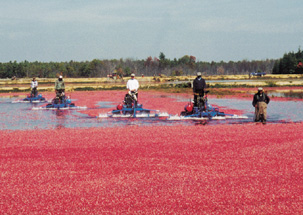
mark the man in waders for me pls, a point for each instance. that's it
(260, 103)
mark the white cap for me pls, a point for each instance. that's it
(132, 74)
(199, 73)
(260, 88)
(60, 76)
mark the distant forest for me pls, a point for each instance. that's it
(291, 63)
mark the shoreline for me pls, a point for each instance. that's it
(154, 83)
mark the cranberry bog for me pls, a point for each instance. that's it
(71, 162)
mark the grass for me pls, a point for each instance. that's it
(151, 79)
(271, 83)
(149, 83)
(230, 85)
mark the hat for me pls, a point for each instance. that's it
(60, 76)
(132, 75)
(260, 88)
(199, 73)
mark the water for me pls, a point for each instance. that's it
(20, 116)
(277, 111)
(287, 94)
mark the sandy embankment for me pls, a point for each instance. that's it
(72, 84)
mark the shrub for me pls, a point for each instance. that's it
(271, 83)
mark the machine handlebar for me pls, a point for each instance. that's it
(207, 91)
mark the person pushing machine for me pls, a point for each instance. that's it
(34, 86)
(59, 88)
(199, 86)
(133, 86)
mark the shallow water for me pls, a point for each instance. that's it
(288, 94)
(277, 111)
(20, 116)
(287, 111)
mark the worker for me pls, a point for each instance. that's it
(199, 86)
(260, 102)
(133, 86)
(34, 86)
(60, 88)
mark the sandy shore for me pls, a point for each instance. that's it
(77, 84)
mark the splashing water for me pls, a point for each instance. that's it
(20, 116)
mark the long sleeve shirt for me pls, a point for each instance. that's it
(59, 85)
(34, 84)
(199, 85)
(132, 84)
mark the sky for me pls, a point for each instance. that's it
(210, 30)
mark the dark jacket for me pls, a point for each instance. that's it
(199, 85)
(260, 98)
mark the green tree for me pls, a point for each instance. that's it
(162, 56)
(84, 70)
(94, 67)
(288, 64)
(127, 71)
(275, 69)
(163, 62)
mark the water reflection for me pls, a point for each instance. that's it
(288, 94)
(201, 122)
(286, 111)
(19, 116)
(60, 119)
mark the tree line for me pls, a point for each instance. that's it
(151, 66)
(290, 63)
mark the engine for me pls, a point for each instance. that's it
(119, 106)
(189, 107)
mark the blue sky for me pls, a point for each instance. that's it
(210, 30)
